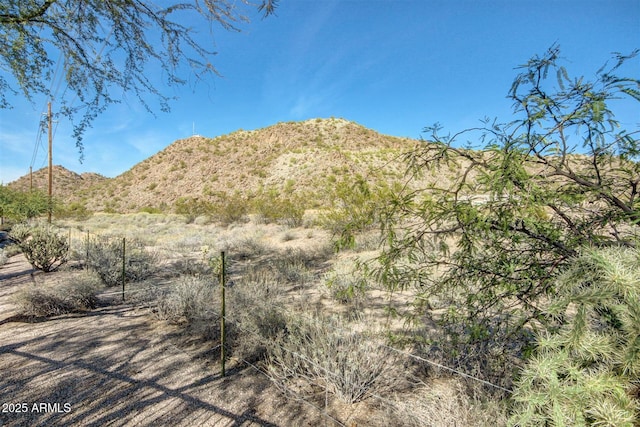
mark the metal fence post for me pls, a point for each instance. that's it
(222, 315)
(87, 248)
(124, 245)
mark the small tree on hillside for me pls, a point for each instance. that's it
(522, 199)
(20, 206)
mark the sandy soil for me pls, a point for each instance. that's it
(116, 366)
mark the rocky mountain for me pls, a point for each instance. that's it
(66, 184)
(296, 158)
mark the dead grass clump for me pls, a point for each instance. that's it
(319, 353)
(247, 247)
(443, 402)
(254, 315)
(190, 299)
(3, 257)
(74, 292)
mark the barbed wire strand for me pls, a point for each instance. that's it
(307, 360)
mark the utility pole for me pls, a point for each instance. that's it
(30, 178)
(50, 120)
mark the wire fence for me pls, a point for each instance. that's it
(116, 251)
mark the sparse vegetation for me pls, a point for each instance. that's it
(3, 257)
(105, 258)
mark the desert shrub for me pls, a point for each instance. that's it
(43, 247)
(3, 257)
(586, 368)
(74, 292)
(319, 352)
(105, 257)
(490, 214)
(346, 283)
(150, 210)
(293, 266)
(272, 207)
(232, 208)
(191, 299)
(256, 314)
(247, 247)
(11, 250)
(355, 207)
(193, 207)
(75, 210)
(253, 320)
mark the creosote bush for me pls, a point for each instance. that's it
(43, 247)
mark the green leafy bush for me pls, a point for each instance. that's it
(586, 369)
(75, 210)
(356, 207)
(20, 206)
(45, 249)
(282, 209)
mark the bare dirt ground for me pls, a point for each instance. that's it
(115, 366)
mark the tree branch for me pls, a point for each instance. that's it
(9, 18)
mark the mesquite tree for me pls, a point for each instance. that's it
(484, 243)
(105, 47)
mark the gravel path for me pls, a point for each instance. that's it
(114, 366)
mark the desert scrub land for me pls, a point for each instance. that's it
(309, 340)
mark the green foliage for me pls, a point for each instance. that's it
(45, 249)
(193, 207)
(356, 206)
(271, 206)
(586, 370)
(75, 210)
(150, 210)
(21, 206)
(232, 208)
(500, 217)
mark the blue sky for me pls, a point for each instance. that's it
(395, 66)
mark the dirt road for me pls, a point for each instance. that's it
(115, 366)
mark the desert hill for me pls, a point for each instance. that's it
(65, 182)
(296, 158)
